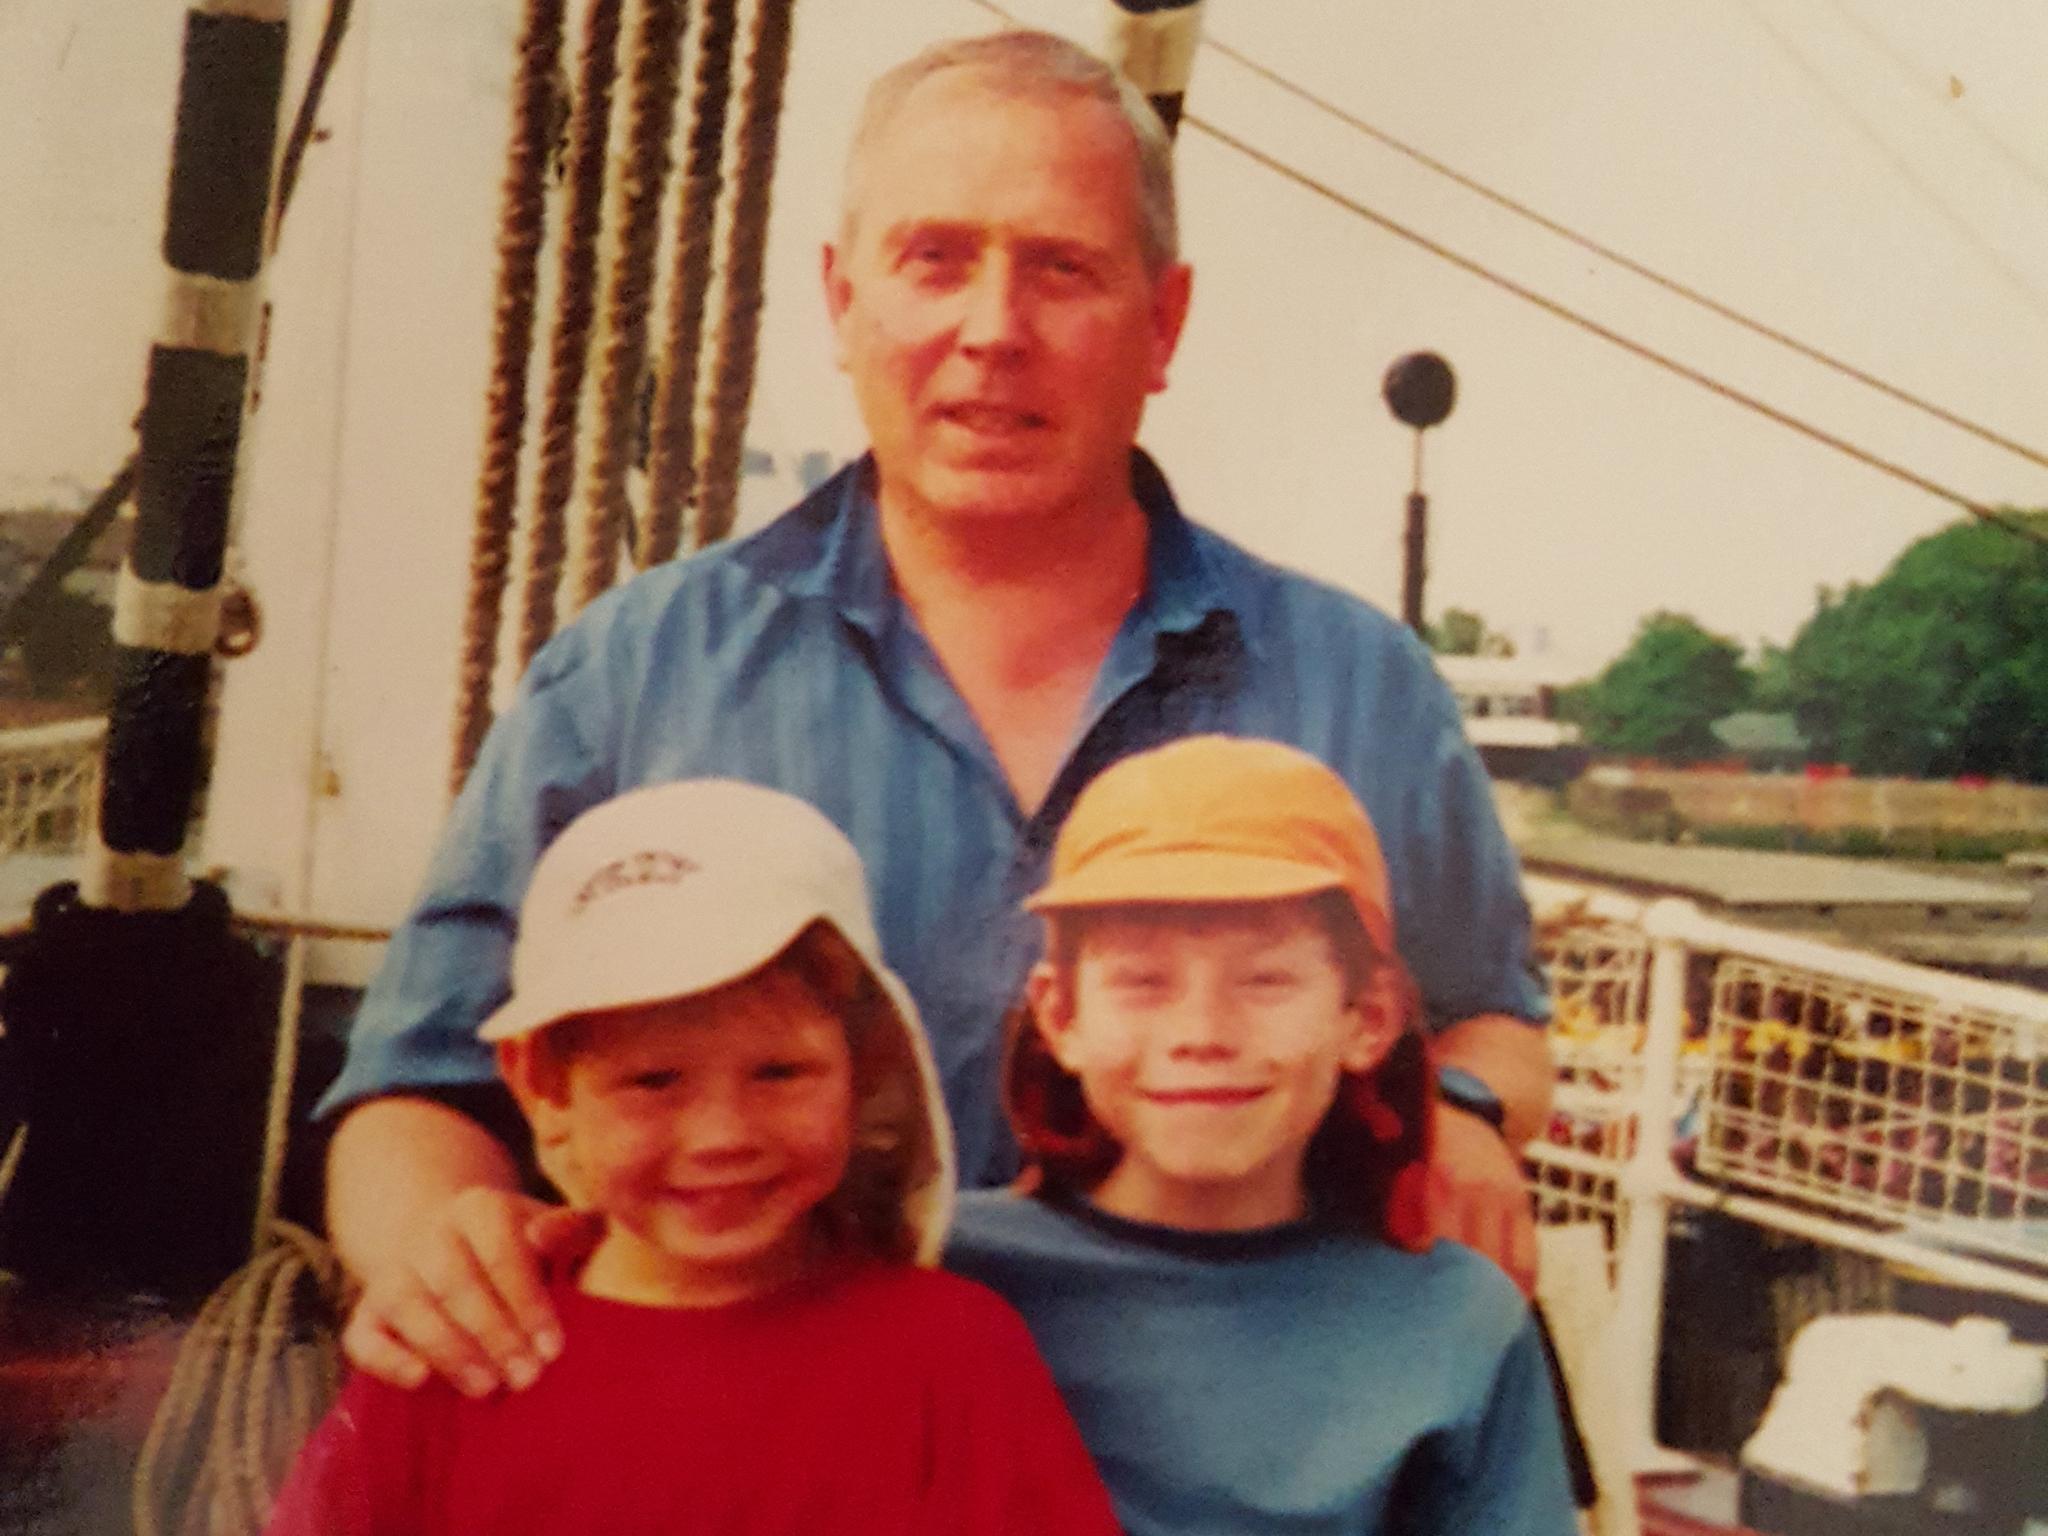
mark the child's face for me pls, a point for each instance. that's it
(707, 1130)
(1209, 1043)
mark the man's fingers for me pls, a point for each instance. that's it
(486, 1281)
(373, 1348)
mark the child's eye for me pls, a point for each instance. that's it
(782, 1071)
(1272, 979)
(654, 1080)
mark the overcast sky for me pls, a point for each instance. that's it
(1869, 175)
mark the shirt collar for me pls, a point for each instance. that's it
(1182, 588)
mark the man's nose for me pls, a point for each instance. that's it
(994, 318)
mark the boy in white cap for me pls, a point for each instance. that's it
(1227, 1101)
(715, 1060)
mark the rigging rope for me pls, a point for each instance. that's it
(519, 236)
(672, 469)
(575, 311)
(652, 83)
(739, 325)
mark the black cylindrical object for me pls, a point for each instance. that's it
(138, 1053)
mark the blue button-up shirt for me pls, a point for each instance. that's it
(786, 658)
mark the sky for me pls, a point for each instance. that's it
(1868, 175)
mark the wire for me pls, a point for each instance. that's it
(1551, 306)
(1627, 263)
(1635, 348)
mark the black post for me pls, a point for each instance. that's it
(1420, 390)
(138, 1026)
(1414, 558)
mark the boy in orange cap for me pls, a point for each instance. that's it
(1222, 1088)
(716, 1061)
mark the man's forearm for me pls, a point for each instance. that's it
(393, 1163)
(1512, 1057)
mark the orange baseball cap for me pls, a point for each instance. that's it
(1219, 818)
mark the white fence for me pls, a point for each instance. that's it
(1857, 1102)
(49, 786)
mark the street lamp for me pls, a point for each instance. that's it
(1420, 390)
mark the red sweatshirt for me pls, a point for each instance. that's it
(864, 1399)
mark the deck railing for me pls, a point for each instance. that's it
(49, 786)
(1857, 1102)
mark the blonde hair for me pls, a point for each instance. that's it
(1035, 66)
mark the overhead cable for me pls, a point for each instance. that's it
(1627, 263)
(1593, 327)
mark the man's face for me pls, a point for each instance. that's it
(707, 1131)
(992, 306)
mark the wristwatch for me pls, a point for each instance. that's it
(1468, 1091)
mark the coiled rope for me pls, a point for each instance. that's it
(254, 1373)
(732, 384)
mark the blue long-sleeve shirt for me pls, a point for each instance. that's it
(787, 658)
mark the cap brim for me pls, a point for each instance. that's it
(1183, 875)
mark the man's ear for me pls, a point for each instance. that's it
(1171, 293)
(838, 296)
(1374, 1020)
(1051, 998)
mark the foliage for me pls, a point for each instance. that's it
(1461, 632)
(1938, 669)
(1661, 696)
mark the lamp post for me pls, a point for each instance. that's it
(1420, 390)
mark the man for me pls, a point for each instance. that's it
(937, 648)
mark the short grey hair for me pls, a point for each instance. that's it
(1034, 65)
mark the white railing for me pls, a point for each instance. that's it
(1857, 1102)
(49, 786)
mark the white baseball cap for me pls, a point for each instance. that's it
(680, 888)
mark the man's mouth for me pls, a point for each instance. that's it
(992, 420)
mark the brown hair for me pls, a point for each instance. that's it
(1365, 1165)
(893, 1150)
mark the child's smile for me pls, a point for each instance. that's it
(1209, 1041)
(707, 1131)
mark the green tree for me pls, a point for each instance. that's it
(1938, 668)
(1661, 696)
(1461, 632)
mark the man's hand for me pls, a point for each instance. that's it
(424, 1208)
(1476, 1194)
(467, 1302)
